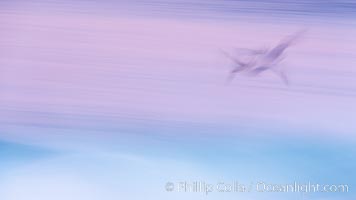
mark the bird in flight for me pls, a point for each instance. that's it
(262, 60)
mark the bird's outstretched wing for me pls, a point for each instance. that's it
(278, 50)
(234, 59)
(252, 52)
(259, 70)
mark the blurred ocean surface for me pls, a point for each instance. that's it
(206, 8)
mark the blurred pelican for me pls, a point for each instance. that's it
(239, 65)
(264, 59)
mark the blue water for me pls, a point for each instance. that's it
(15, 154)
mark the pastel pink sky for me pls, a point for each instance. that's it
(171, 69)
